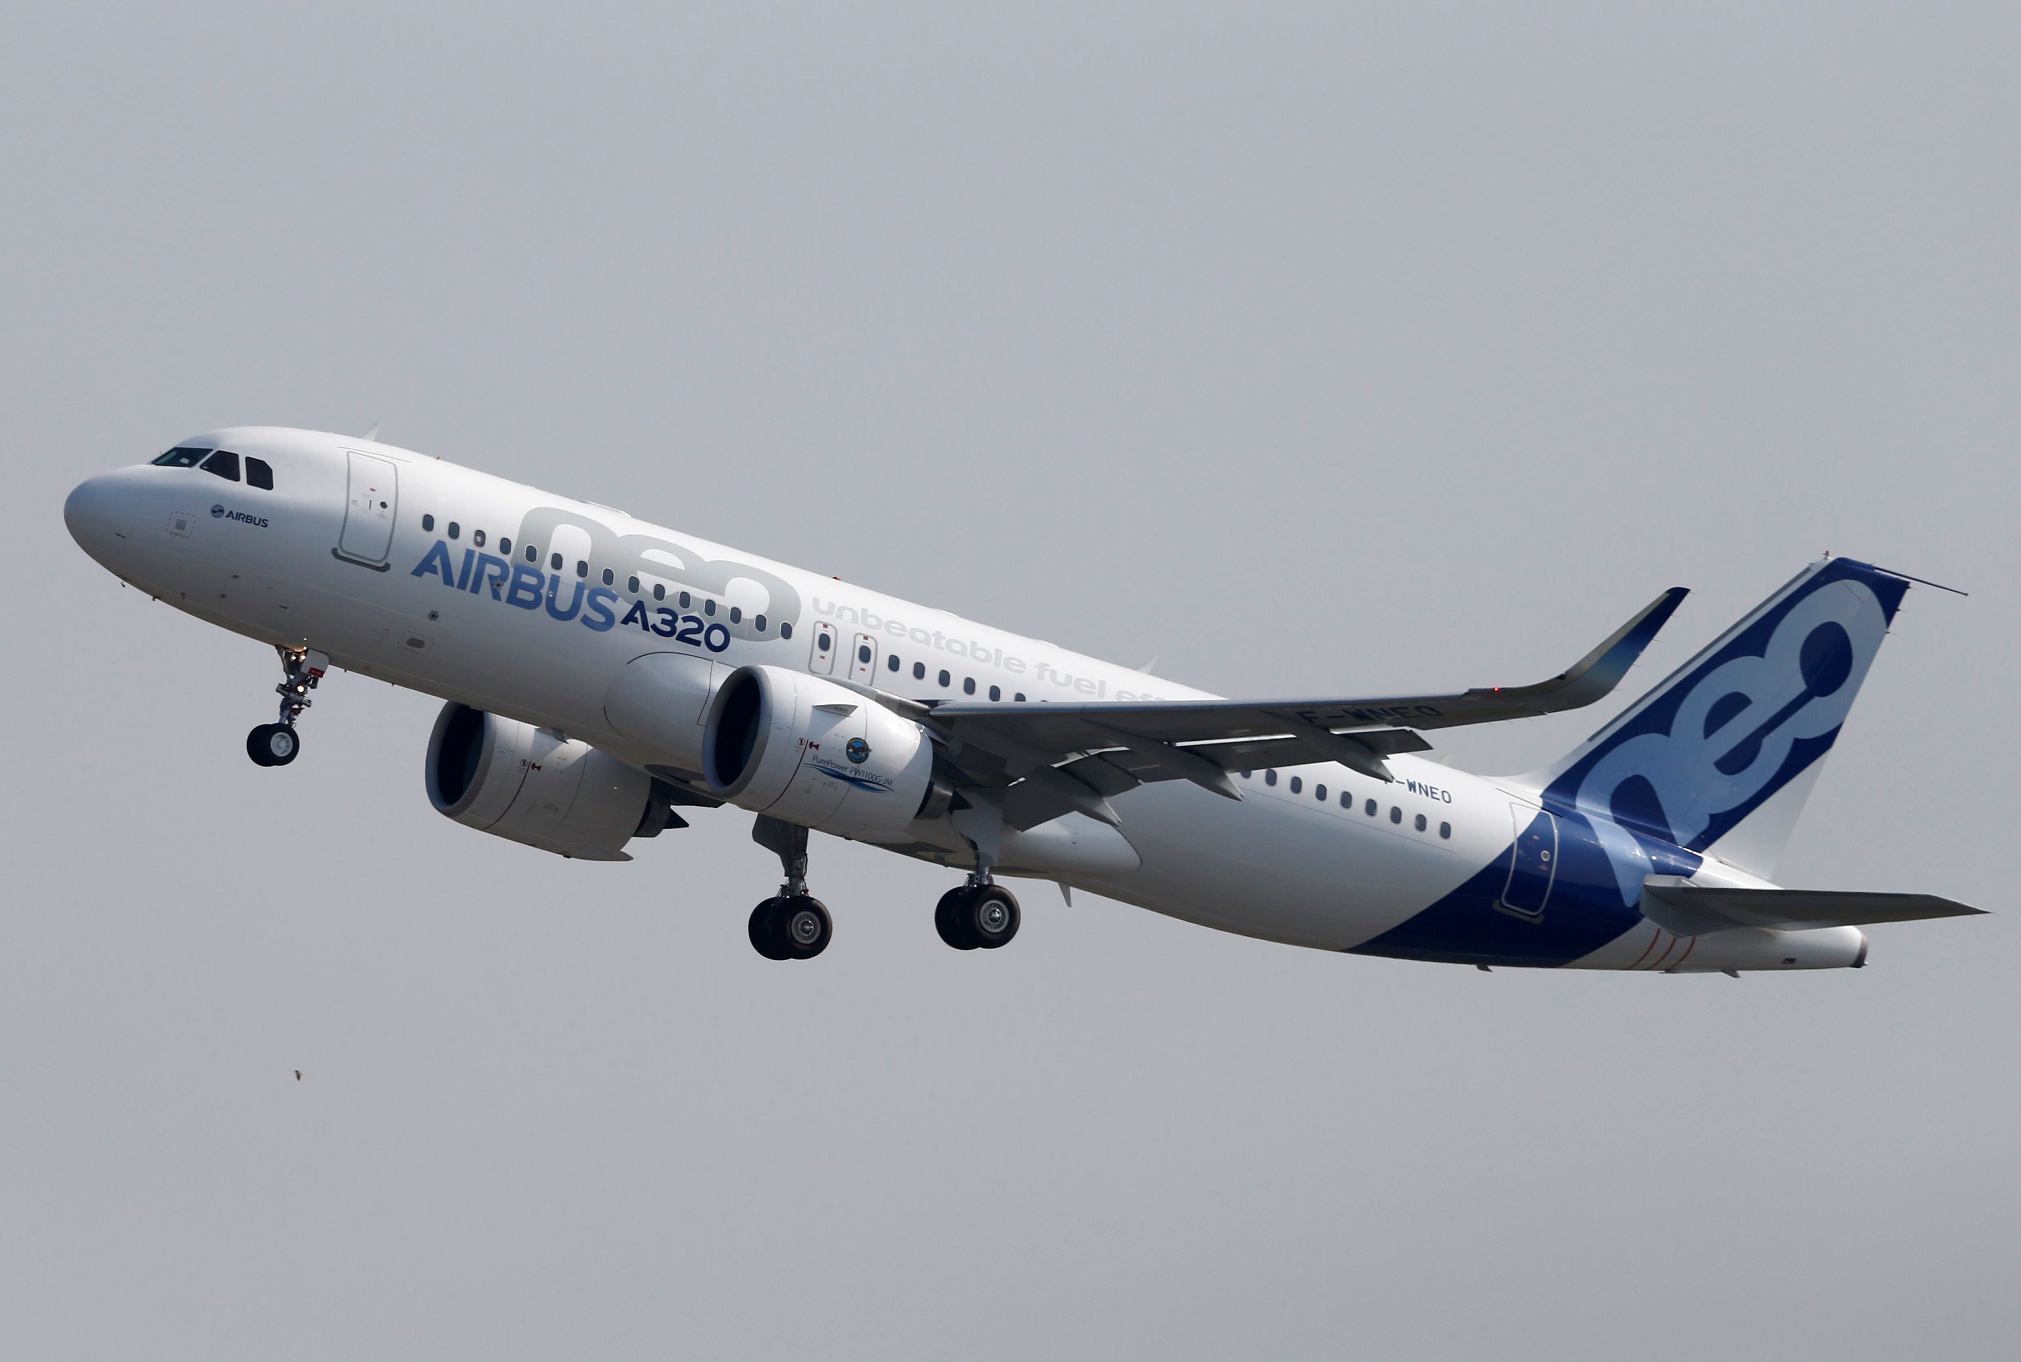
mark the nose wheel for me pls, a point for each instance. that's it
(977, 917)
(277, 743)
(273, 745)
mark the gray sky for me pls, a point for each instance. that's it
(1329, 348)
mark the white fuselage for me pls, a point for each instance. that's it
(1300, 858)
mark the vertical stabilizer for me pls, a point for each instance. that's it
(1720, 757)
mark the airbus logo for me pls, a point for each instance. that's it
(258, 522)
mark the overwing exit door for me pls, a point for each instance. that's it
(821, 655)
(863, 659)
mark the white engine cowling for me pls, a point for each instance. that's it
(533, 786)
(805, 750)
(658, 701)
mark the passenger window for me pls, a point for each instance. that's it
(945, 679)
(737, 616)
(919, 671)
(1420, 822)
(1395, 814)
(1319, 793)
(785, 631)
(1270, 777)
(225, 464)
(428, 522)
(1445, 830)
(581, 567)
(454, 529)
(863, 653)
(554, 562)
(709, 606)
(477, 538)
(532, 554)
(1020, 697)
(632, 585)
(183, 456)
(758, 623)
(996, 692)
(1297, 785)
(1346, 800)
(505, 548)
(1369, 808)
(891, 663)
(259, 473)
(968, 685)
(609, 578)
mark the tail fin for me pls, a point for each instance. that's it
(1720, 757)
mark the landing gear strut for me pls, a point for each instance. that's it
(277, 744)
(793, 924)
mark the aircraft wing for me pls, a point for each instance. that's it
(1053, 758)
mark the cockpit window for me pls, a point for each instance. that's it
(225, 464)
(259, 473)
(182, 456)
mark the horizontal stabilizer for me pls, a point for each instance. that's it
(1695, 909)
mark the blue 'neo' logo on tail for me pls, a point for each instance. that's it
(1706, 749)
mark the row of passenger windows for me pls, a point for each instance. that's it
(1369, 807)
(556, 562)
(223, 462)
(946, 678)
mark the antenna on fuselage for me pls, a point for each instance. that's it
(373, 433)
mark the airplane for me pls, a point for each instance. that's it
(601, 674)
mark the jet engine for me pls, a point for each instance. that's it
(534, 786)
(806, 750)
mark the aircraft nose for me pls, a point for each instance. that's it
(91, 515)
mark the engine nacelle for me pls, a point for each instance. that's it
(658, 702)
(533, 786)
(805, 750)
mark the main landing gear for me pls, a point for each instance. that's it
(978, 916)
(277, 744)
(792, 924)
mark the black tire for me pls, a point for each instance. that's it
(273, 745)
(991, 916)
(947, 918)
(764, 929)
(803, 928)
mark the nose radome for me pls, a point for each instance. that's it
(87, 515)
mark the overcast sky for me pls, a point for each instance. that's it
(1330, 349)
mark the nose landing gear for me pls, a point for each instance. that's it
(277, 744)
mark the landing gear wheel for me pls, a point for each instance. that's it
(983, 916)
(791, 928)
(804, 928)
(764, 929)
(945, 920)
(273, 744)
